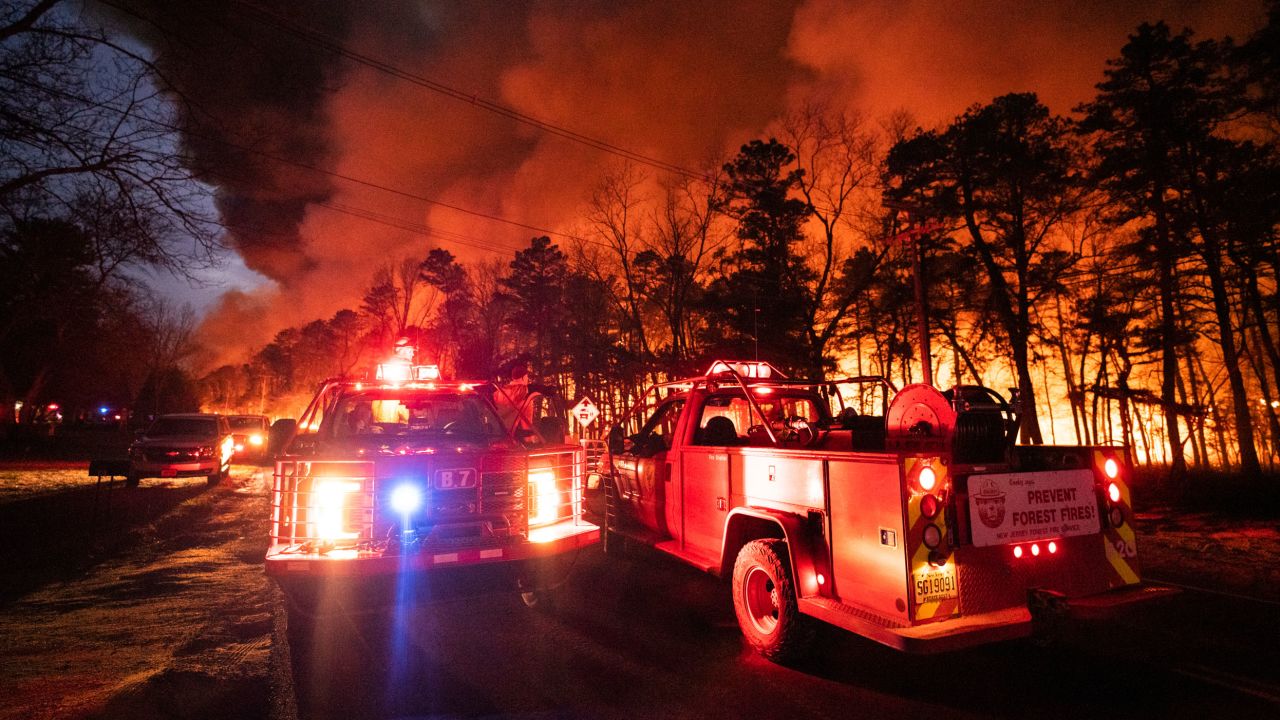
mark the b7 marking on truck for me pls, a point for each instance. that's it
(455, 479)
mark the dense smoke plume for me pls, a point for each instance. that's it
(281, 125)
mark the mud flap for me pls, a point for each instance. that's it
(1049, 614)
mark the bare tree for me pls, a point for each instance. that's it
(86, 136)
(838, 159)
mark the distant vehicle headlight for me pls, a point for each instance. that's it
(256, 439)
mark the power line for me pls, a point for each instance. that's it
(325, 42)
(425, 230)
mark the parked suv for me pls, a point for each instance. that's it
(185, 445)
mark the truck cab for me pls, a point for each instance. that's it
(909, 517)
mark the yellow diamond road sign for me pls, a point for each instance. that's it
(585, 412)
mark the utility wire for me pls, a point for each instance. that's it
(334, 46)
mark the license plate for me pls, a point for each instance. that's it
(168, 472)
(455, 479)
(936, 584)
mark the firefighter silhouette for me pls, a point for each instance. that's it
(513, 396)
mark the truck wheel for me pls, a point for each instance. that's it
(131, 480)
(764, 599)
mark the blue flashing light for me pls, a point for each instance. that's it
(104, 410)
(406, 498)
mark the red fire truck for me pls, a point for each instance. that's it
(404, 473)
(919, 524)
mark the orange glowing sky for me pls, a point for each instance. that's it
(684, 82)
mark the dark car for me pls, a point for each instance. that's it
(185, 445)
(250, 435)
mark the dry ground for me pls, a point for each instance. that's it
(178, 623)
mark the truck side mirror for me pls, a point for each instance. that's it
(281, 434)
(617, 440)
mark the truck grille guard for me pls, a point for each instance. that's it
(516, 499)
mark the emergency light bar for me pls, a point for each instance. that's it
(755, 369)
(394, 372)
(399, 371)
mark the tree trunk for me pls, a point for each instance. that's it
(1195, 430)
(1230, 356)
(1167, 284)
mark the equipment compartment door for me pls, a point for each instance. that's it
(705, 493)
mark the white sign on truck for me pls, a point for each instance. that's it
(1017, 507)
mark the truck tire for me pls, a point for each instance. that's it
(764, 599)
(131, 480)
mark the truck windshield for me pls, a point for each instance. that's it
(247, 422)
(172, 426)
(408, 413)
(777, 408)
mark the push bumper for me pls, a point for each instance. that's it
(287, 561)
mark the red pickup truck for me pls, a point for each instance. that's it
(919, 524)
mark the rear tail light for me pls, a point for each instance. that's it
(1112, 501)
(930, 506)
(932, 536)
(1116, 517)
(928, 479)
(1035, 549)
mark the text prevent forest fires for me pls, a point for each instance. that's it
(1031, 506)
